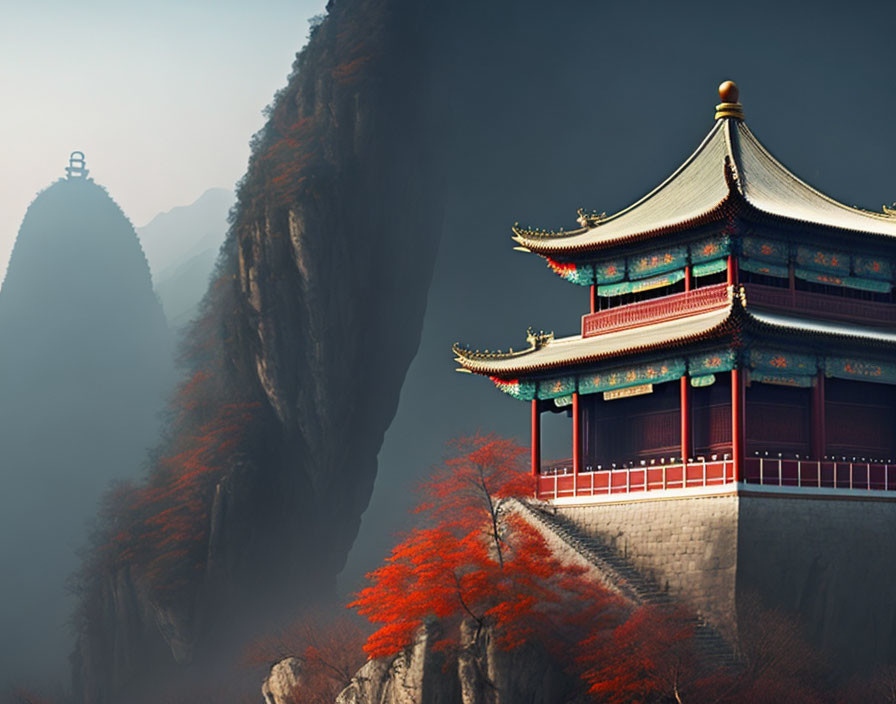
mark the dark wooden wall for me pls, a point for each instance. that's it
(711, 417)
(633, 428)
(778, 420)
(861, 419)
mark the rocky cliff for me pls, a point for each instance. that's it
(483, 673)
(293, 370)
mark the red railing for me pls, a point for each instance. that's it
(822, 305)
(678, 305)
(558, 480)
(820, 474)
(635, 479)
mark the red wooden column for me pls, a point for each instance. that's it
(576, 435)
(737, 422)
(536, 438)
(593, 298)
(732, 270)
(819, 432)
(685, 393)
(685, 419)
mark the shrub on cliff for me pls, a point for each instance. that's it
(322, 652)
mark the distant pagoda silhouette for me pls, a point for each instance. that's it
(77, 166)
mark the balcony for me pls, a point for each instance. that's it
(678, 305)
(825, 476)
(634, 480)
(819, 305)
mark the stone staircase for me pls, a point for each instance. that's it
(619, 575)
(622, 577)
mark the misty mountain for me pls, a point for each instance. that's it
(85, 363)
(181, 246)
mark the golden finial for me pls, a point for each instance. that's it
(729, 107)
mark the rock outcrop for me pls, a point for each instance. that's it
(482, 673)
(284, 684)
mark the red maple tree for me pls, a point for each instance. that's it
(474, 559)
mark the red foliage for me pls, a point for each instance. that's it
(778, 662)
(294, 147)
(468, 489)
(473, 560)
(650, 657)
(350, 71)
(330, 650)
(162, 526)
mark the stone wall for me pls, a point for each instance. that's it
(828, 561)
(831, 561)
(686, 545)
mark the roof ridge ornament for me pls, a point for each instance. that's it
(729, 94)
(536, 340)
(890, 210)
(590, 218)
(539, 339)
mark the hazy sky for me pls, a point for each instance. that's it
(161, 97)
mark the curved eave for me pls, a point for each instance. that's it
(529, 234)
(719, 213)
(772, 190)
(729, 168)
(576, 350)
(791, 325)
(695, 194)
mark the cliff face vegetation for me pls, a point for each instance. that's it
(292, 371)
(84, 366)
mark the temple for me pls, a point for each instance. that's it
(740, 336)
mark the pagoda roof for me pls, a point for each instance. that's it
(729, 168)
(793, 324)
(546, 353)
